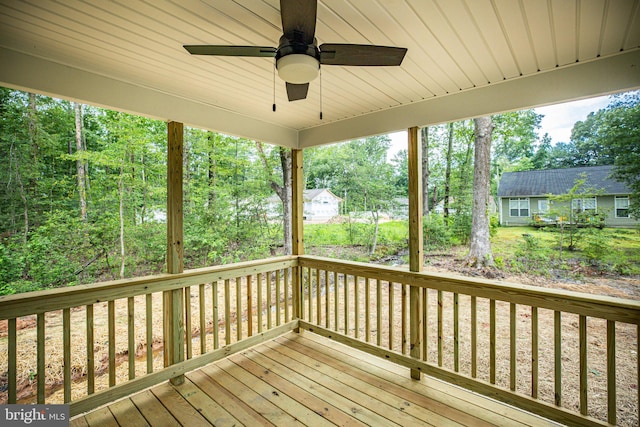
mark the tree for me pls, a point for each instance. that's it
(82, 192)
(357, 171)
(425, 170)
(622, 134)
(282, 189)
(447, 173)
(480, 249)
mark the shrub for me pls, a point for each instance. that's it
(437, 234)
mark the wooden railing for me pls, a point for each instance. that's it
(568, 356)
(564, 355)
(91, 344)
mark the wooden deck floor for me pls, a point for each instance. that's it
(306, 380)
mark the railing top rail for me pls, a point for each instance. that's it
(606, 307)
(12, 306)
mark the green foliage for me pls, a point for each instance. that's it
(595, 245)
(437, 233)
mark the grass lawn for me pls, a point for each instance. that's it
(523, 249)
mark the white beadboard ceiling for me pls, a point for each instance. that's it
(465, 58)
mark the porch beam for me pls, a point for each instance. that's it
(415, 245)
(297, 232)
(174, 299)
(33, 74)
(603, 76)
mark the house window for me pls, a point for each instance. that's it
(622, 206)
(519, 207)
(588, 204)
(543, 206)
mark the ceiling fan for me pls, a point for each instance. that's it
(298, 57)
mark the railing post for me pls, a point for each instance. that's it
(173, 325)
(297, 217)
(415, 245)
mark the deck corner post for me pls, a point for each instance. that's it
(297, 234)
(173, 300)
(416, 255)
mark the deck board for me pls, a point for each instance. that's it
(124, 411)
(305, 379)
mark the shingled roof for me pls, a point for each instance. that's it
(559, 181)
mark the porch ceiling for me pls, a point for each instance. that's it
(465, 58)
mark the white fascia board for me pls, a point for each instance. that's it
(617, 73)
(34, 74)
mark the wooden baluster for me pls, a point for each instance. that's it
(492, 341)
(111, 313)
(404, 323)
(425, 324)
(238, 282)
(215, 315)
(440, 323)
(268, 279)
(40, 362)
(557, 356)
(356, 304)
(187, 324)
(367, 310)
(203, 319)
(582, 331)
(12, 362)
(346, 304)
(379, 312)
(286, 295)
(278, 290)
(391, 311)
(259, 301)
(66, 342)
(131, 338)
(534, 352)
(318, 298)
(310, 295)
(611, 371)
(227, 313)
(335, 301)
(474, 337)
(249, 305)
(327, 300)
(456, 333)
(91, 373)
(512, 347)
(149, 331)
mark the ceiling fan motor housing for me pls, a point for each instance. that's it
(296, 61)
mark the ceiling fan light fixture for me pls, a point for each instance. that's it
(297, 68)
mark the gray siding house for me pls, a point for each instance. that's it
(523, 196)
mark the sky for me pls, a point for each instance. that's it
(558, 121)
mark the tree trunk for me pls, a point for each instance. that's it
(447, 173)
(425, 171)
(283, 191)
(80, 170)
(121, 211)
(213, 170)
(480, 249)
(285, 161)
(376, 218)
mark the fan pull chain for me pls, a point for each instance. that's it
(320, 93)
(274, 87)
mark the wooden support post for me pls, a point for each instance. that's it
(415, 245)
(297, 202)
(174, 300)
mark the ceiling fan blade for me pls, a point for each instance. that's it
(299, 16)
(361, 54)
(296, 92)
(219, 50)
